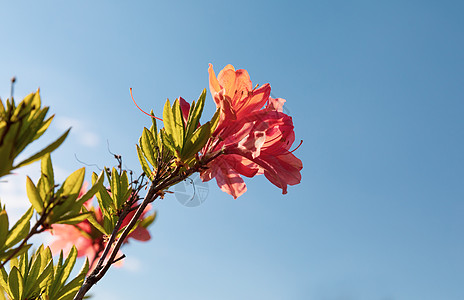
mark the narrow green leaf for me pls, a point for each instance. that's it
(123, 189)
(72, 185)
(29, 129)
(44, 127)
(45, 276)
(115, 187)
(170, 126)
(44, 151)
(72, 219)
(47, 170)
(195, 114)
(3, 278)
(95, 187)
(45, 191)
(215, 120)
(17, 252)
(15, 284)
(108, 223)
(166, 141)
(4, 225)
(197, 141)
(144, 163)
(147, 221)
(147, 143)
(24, 264)
(30, 284)
(20, 229)
(14, 262)
(94, 222)
(105, 202)
(179, 128)
(68, 265)
(153, 127)
(34, 196)
(55, 285)
(70, 289)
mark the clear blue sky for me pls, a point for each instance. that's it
(375, 89)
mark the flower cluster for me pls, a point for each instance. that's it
(253, 135)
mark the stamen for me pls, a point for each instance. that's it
(142, 109)
(301, 142)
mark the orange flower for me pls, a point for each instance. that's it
(253, 133)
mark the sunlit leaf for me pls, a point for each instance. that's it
(34, 196)
(4, 225)
(15, 283)
(197, 141)
(47, 170)
(144, 163)
(44, 151)
(20, 229)
(72, 219)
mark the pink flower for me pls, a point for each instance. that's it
(253, 133)
(89, 241)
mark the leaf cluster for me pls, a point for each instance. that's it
(20, 125)
(112, 203)
(10, 237)
(178, 143)
(62, 206)
(38, 277)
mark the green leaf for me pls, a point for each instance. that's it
(68, 265)
(94, 222)
(17, 252)
(170, 127)
(44, 127)
(195, 114)
(147, 221)
(45, 276)
(4, 225)
(47, 170)
(55, 285)
(115, 187)
(23, 264)
(105, 202)
(70, 289)
(30, 284)
(73, 184)
(14, 262)
(147, 143)
(29, 129)
(44, 151)
(108, 223)
(68, 194)
(215, 120)
(95, 187)
(144, 163)
(45, 256)
(20, 229)
(125, 191)
(15, 284)
(153, 127)
(3, 278)
(197, 141)
(166, 141)
(73, 219)
(34, 196)
(179, 128)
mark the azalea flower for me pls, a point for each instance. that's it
(89, 241)
(253, 134)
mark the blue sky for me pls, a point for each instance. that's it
(375, 89)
